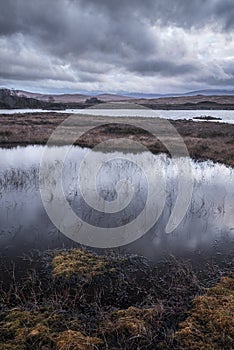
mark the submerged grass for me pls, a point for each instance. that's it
(79, 300)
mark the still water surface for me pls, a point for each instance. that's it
(225, 115)
(207, 227)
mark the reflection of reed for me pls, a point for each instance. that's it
(209, 216)
(19, 179)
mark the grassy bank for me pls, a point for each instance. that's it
(204, 140)
(78, 300)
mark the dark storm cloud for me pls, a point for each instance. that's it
(164, 68)
(8, 17)
(214, 81)
(82, 40)
(55, 17)
(225, 10)
(183, 13)
(70, 26)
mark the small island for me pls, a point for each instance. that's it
(207, 117)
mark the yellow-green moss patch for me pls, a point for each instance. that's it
(210, 325)
(43, 329)
(76, 341)
(134, 321)
(78, 262)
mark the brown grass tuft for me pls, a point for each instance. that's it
(210, 325)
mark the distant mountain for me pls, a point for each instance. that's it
(24, 99)
(189, 93)
(70, 98)
(203, 102)
(192, 100)
(108, 97)
(63, 98)
(113, 98)
(211, 92)
(147, 96)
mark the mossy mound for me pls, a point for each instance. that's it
(132, 320)
(107, 280)
(133, 328)
(73, 340)
(42, 329)
(79, 300)
(78, 262)
(210, 325)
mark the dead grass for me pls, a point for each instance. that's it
(78, 262)
(205, 140)
(210, 325)
(42, 329)
(79, 300)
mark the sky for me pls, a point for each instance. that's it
(148, 46)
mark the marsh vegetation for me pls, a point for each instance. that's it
(179, 297)
(79, 300)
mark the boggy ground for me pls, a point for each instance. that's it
(78, 300)
(204, 140)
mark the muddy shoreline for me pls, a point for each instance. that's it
(204, 140)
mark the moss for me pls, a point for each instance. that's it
(210, 325)
(85, 301)
(133, 320)
(107, 280)
(133, 328)
(78, 262)
(76, 341)
(23, 330)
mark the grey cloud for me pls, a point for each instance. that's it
(23, 72)
(8, 17)
(94, 38)
(164, 68)
(225, 10)
(68, 26)
(215, 82)
(182, 13)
